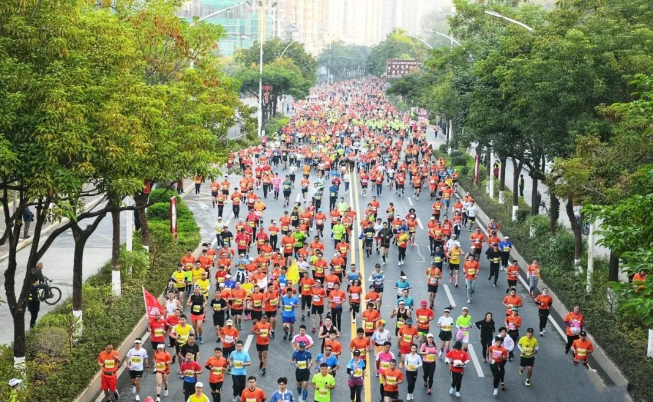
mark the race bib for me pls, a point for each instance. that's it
(412, 367)
(358, 372)
(369, 326)
(316, 298)
(496, 354)
(263, 333)
(391, 380)
(136, 360)
(355, 296)
(109, 364)
(238, 364)
(323, 392)
(287, 308)
(160, 366)
(217, 307)
(429, 358)
(238, 302)
(229, 338)
(407, 338)
(159, 332)
(256, 303)
(197, 309)
(301, 365)
(581, 352)
(216, 371)
(471, 271)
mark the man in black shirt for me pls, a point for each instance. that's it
(218, 305)
(386, 237)
(190, 347)
(494, 255)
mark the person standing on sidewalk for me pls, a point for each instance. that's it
(522, 182)
(34, 303)
(28, 218)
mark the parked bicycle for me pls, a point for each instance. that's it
(54, 296)
(543, 209)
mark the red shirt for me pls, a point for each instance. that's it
(457, 355)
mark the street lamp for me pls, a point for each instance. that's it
(421, 40)
(497, 15)
(284, 50)
(213, 14)
(263, 8)
(450, 37)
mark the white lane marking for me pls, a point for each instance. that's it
(477, 365)
(299, 195)
(248, 342)
(449, 296)
(410, 201)
(420, 224)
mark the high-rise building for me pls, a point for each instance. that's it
(241, 20)
(404, 14)
(312, 22)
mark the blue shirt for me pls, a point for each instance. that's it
(352, 365)
(230, 284)
(302, 358)
(282, 280)
(410, 302)
(505, 244)
(330, 361)
(402, 285)
(238, 357)
(289, 304)
(278, 396)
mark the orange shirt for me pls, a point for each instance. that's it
(238, 298)
(512, 301)
(512, 272)
(498, 353)
(188, 261)
(406, 335)
(338, 264)
(336, 347)
(257, 301)
(544, 302)
(343, 248)
(217, 367)
(360, 344)
(262, 331)
(318, 295)
(354, 294)
(330, 281)
(370, 317)
(337, 297)
(391, 378)
(471, 269)
(320, 267)
(229, 336)
(109, 361)
(513, 322)
(252, 396)
(271, 300)
(306, 284)
(582, 348)
(571, 317)
(423, 317)
(477, 240)
(288, 243)
(162, 362)
(285, 223)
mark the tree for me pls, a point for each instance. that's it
(397, 45)
(272, 50)
(344, 61)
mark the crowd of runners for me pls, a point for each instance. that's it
(267, 274)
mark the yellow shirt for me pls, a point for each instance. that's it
(248, 288)
(204, 286)
(183, 333)
(528, 346)
(197, 273)
(454, 256)
(180, 278)
(201, 398)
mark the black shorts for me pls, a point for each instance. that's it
(236, 312)
(214, 194)
(363, 185)
(304, 190)
(433, 288)
(454, 266)
(391, 394)
(216, 387)
(286, 193)
(306, 301)
(135, 374)
(262, 348)
(526, 361)
(319, 227)
(317, 309)
(302, 375)
(286, 255)
(445, 335)
(256, 315)
(218, 320)
(379, 290)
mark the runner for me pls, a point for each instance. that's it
(391, 378)
(239, 360)
(459, 358)
(216, 365)
(356, 371)
(288, 302)
(498, 356)
(433, 275)
(582, 348)
(162, 361)
(429, 353)
(529, 347)
(464, 324)
(109, 362)
(544, 302)
(262, 330)
(323, 383)
(412, 361)
(252, 393)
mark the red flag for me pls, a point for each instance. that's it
(152, 305)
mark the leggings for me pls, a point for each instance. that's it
(514, 334)
(456, 380)
(494, 272)
(402, 253)
(411, 377)
(498, 372)
(273, 242)
(355, 308)
(485, 344)
(429, 372)
(336, 316)
(355, 393)
(504, 258)
(570, 340)
(544, 314)
(238, 384)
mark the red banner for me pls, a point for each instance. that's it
(152, 305)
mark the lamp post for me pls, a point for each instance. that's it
(263, 10)
(497, 15)
(284, 50)
(421, 40)
(450, 37)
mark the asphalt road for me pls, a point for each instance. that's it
(555, 377)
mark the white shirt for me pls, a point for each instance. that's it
(412, 360)
(471, 211)
(451, 242)
(347, 177)
(219, 227)
(303, 266)
(445, 321)
(379, 338)
(508, 343)
(136, 359)
(292, 169)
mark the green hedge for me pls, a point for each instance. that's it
(623, 339)
(57, 370)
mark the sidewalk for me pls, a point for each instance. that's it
(58, 266)
(599, 251)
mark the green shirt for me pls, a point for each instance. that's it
(342, 207)
(299, 238)
(338, 231)
(322, 393)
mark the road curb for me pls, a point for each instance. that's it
(599, 356)
(50, 228)
(94, 389)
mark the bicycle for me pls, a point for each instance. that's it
(585, 228)
(55, 294)
(543, 209)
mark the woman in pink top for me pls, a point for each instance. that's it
(383, 360)
(276, 185)
(429, 353)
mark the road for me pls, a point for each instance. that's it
(555, 377)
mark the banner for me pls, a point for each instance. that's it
(477, 163)
(397, 68)
(152, 305)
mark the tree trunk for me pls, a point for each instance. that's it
(554, 213)
(140, 200)
(575, 228)
(115, 252)
(502, 174)
(613, 273)
(488, 161)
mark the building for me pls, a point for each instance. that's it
(241, 20)
(404, 14)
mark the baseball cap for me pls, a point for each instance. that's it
(423, 303)
(430, 336)
(230, 322)
(357, 352)
(302, 344)
(409, 321)
(454, 235)
(583, 333)
(433, 218)
(506, 237)
(465, 309)
(514, 309)
(14, 381)
(161, 346)
(138, 340)
(401, 302)
(199, 385)
(530, 330)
